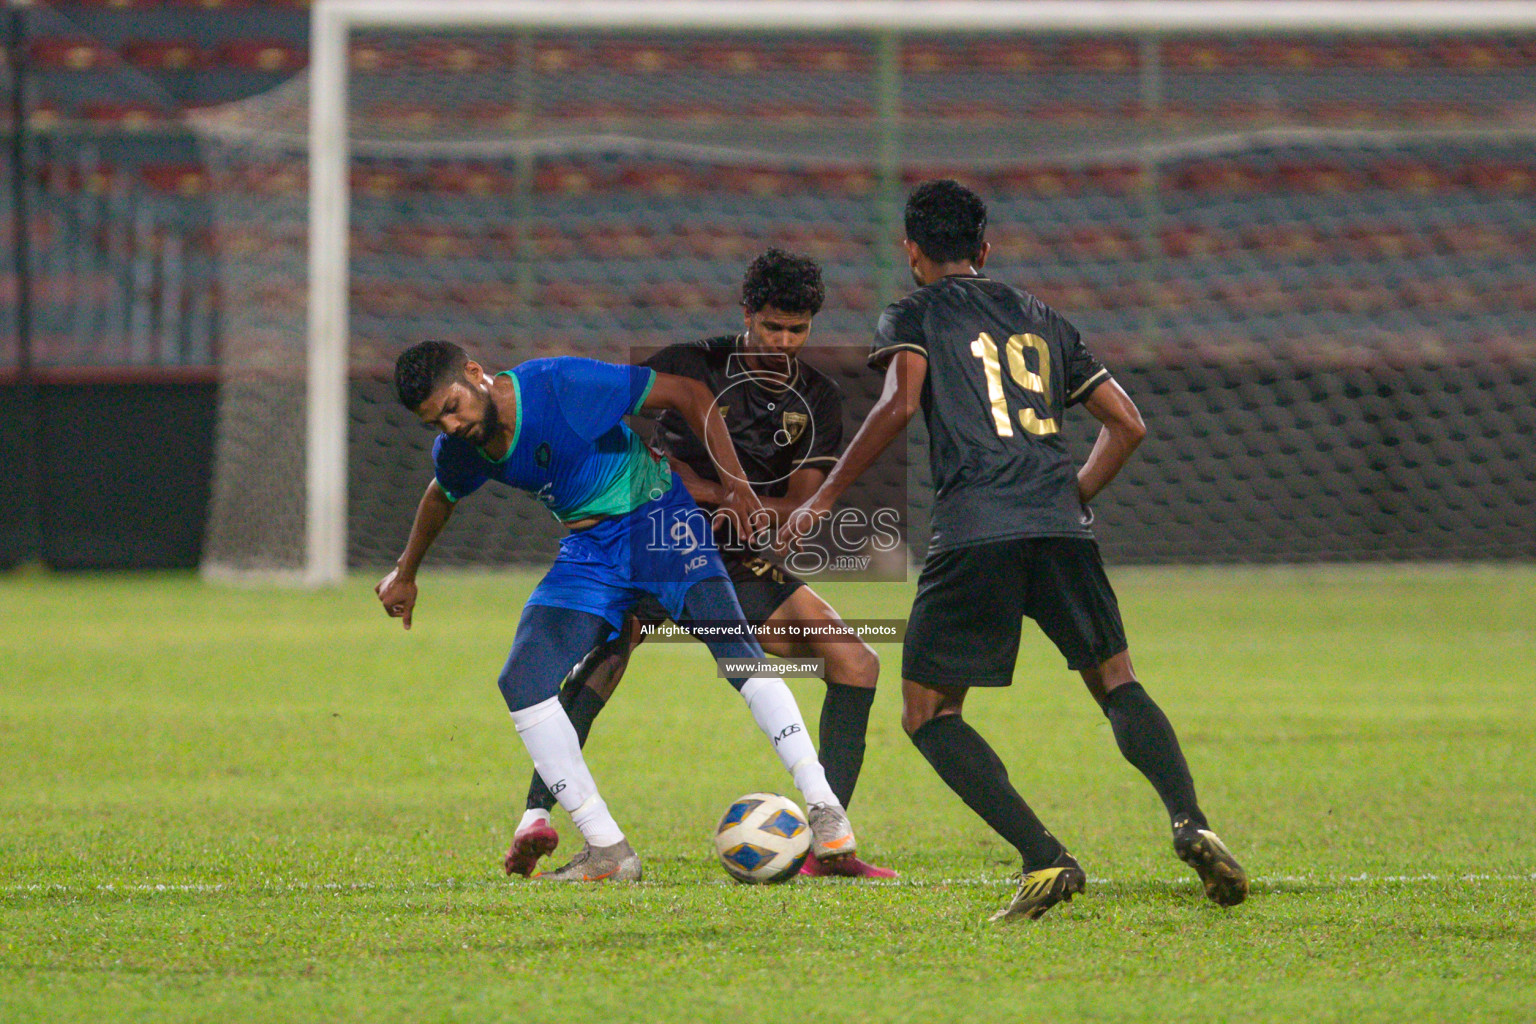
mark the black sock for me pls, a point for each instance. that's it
(844, 720)
(581, 706)
(971, 768)
(1147, 740)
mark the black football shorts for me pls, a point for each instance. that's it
(971, 602)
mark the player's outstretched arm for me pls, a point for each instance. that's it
(694, 402)
(397, 590)
(1121, 432)
(898, 403)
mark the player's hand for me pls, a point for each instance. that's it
(398, 595)
(802, 522)
(744, 509)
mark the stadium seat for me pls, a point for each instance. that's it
(644, 58)
(1204, 54)
(557, 57)
(75, 54)
(827, 57)
(923, 58)
(161, 55)
(1293, 54)
(1011, 57)
(455, 55)
(130, 117)
(733, 58)
(1107, 55)
(186, 180)
(270, 56)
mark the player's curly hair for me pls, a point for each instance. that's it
(788, 282)
(425, 367)
(947, 221)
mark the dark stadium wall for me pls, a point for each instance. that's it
(125, 470)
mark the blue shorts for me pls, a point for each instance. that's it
(661, 548)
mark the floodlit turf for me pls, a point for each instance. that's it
(259, 805)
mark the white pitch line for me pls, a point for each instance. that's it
(58, 889)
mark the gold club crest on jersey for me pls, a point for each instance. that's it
(794, 424)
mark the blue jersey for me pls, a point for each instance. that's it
(570, 447)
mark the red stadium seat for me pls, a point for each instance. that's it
(271, 56)
(553, 58)
(639, 57)
(455, 55)
(1479, 55)
(165, 55)
(1479, 239)
(619, 241)
(1048, 181)
(471, 180)
(494, 116)
(733, 58)
(70, 55)
(1284, 243)
(1101, 55)
(372, 55)
(1096, 242)
(694, 296)
(1384, 55)
(567, 294)
(121, 5)
(380, 182)
(1447, 113)
(1205, 54)
(567, 179)
(666, 179)
(827, 57)
(759, 181)
(1514, 178)
(1010, 57)
(927, 58)
(1319, 176)
(1181, 240)
(843, 181)
(187, 180)
(123, 116)
(1117, 179)
(1216, 176)
(1370, 242)
(1410, 176)
(1293, 53)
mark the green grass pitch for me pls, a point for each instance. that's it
(262, 805)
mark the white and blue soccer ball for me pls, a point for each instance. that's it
(763, 839)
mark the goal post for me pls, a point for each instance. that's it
(329, 147)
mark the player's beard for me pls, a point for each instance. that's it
(485, 431)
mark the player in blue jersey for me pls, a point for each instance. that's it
(555, 428)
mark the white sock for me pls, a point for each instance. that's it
(551, 740)
(532, 815)
(774, 709)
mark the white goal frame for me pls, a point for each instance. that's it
(332, 22)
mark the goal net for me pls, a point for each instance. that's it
(1308, 256)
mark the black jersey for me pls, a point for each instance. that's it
(1002, 368)
(778, 427)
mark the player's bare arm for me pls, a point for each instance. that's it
(694, 402)
(1121, 432)
(802, 483)
(899, 401)
(397, 590)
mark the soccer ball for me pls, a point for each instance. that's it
(763, 839)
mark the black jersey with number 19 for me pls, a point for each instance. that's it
(1002, 369)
